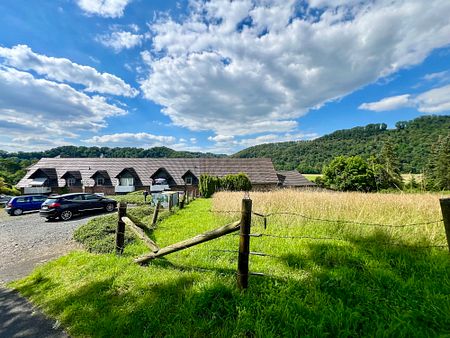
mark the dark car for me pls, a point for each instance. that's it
(65, 206)
(18, 205)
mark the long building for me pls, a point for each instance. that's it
(122, 175)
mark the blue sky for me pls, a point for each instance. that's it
(215, 76)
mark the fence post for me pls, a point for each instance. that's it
(120, 233)
(182, 201)
(155, 213)
(244, 243)
(445, 208)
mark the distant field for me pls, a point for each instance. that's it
(319, 278)
(312, 177)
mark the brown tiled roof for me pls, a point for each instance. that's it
(293, 178)
(47, 171)
(259, 170)
(72, 173)
(102, 173)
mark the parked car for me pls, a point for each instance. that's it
(18, 205)
(67, 205)
(4, 199)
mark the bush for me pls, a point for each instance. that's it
(208, 184)
(349, 174)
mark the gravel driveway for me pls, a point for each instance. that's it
(29, 240)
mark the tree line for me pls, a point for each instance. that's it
(382, 171)
(413, 140)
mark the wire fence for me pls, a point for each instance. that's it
(265, 218)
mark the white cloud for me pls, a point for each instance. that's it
(221, 138)
(28, 102)
(433, 101)
(120, 40)
(439, 76)
(32, 143)
(229, 144)
(105, 8)
(134, 139)
(247, 67)
(64, 70)
(389, 103)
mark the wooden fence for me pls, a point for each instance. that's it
(243, 225)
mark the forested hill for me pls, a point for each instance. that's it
(74, 151)
(413, 140)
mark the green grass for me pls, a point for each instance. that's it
(315, 287)
(135, 197)
(312, 177)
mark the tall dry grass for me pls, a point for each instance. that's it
(389, 209)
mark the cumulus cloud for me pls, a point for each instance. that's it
(247, 67)
(388, 103)
(227, 143)
(433, 101)
(104, 8)
(27, 101)
(64, 70)
(135, 139)
(120, 40)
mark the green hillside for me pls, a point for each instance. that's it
(413, 140)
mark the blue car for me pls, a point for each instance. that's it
(20, 204)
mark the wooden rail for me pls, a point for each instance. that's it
(206, 236)
(141, 234)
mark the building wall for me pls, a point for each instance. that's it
(102, 189)
(264, 187)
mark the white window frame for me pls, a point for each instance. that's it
(100, 181)
(189, 180)
(127, 181)
(71, 181)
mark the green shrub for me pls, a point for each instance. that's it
(208, 184)
(349, 174)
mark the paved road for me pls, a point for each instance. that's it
(25, 242)
(18, 318)
(29, 240)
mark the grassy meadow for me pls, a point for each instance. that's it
(368, 281)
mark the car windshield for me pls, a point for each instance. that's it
(50, 200)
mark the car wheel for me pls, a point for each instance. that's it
(17, 212)
(66, 215)
(110, 207)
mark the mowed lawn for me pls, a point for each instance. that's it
(356, 285)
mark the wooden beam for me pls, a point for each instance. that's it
(206, 236)
(155, 213)
(244, 244)
(445, 208)
(120, 232)
(141, 234)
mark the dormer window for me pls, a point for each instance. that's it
(100, 181)
(71, 181)
(189, 180)
(127, 181)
